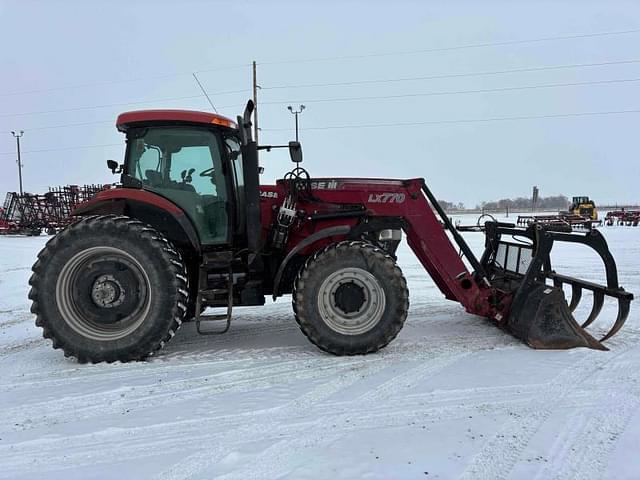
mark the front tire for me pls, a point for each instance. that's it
(109, 288)
(351, 298)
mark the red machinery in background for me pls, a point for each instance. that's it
(629, 218)
(30, 214)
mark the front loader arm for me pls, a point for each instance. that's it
(427, 237)
(411, 201)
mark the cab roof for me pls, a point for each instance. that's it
(172, 116)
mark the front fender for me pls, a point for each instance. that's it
(311, 239)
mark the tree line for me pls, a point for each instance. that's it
(553, 202)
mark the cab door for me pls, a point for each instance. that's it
(185, 165)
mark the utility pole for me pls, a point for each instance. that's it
(296, 113)
(17, 137)
(255, 102)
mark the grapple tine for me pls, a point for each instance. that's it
(598, 301)
(540, 313)
(576, 295)
(624, 305)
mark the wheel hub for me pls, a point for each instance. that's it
(107, 292)
(351, 301)
(349, 297)
(103, 293)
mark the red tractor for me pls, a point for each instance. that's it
(190, 227)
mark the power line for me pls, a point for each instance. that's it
(373, 97)
(93, 107)
(321, 59)
(80, 147)
(101, 122)
(452, 75)
(114, 82)
(456, 92)
(473, 120)
(377, 125)
(81, 124)
(363, 98)
(456, 47)
(325, 100)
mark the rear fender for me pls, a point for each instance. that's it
(162, 214)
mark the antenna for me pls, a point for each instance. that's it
(205, 92)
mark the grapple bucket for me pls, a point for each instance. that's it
(539, 313)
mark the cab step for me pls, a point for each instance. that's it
(211, 295)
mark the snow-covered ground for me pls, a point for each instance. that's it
(451, 397)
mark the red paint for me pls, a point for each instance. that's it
(145, 116)
(388, 198)
(134, 194)
(381, 198)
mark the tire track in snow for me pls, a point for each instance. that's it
(500, 454)
(193, 388)
(149, 395)
(275, 455)
(213, 454)
(58, 452)
(382, 360)
(13, 348)
(277, 459)
(593, 433)
(102, 450)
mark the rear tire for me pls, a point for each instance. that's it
(350, 298)
(109, 288)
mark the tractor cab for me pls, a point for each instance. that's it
(192, 159)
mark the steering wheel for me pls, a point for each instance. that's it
(208, 172)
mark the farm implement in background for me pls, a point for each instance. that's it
(629, 218)
(561, 222)
(30, 214)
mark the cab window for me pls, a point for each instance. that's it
(184, 164)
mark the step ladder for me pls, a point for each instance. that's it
(209, 296)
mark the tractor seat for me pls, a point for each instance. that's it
(187, 187)
(154, 179)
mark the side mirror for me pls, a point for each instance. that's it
(295, 151)
(114, 166)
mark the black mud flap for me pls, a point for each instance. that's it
(539, 313)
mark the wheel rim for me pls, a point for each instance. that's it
(351, 301)
(103, 293)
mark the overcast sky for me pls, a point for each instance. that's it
(67, 58)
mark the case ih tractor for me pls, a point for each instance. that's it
(189, 227)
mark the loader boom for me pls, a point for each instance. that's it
(412, 202)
